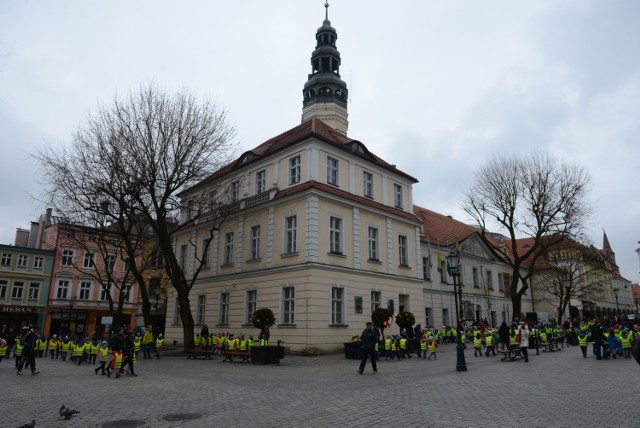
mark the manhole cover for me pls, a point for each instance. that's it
(124, 424)
(178, 417)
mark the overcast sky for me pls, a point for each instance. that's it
(437, 87)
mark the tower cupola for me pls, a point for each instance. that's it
(325, 95)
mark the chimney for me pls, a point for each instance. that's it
(22, 237)
(47, 218)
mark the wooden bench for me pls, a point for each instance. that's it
(553, 344)
(195, 352)
(228, 355)
(512, 353)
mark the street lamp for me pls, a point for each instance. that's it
(615, 293)
(567, 289)
(453, 262)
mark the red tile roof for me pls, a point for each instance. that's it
(441, 229)
(311, 128)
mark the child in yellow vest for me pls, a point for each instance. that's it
(104, 355)
(432, 346)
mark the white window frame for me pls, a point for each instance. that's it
(63, 288)
(261, 181)
(476, 277)
(367, 179)
(38, 262)
(333, 165)
(67, 257)
(84, 288)
(22, 260)
(500, 281)
(212, 200)
(88, 261)
(489, 280)
(443, 272)
(206, 252)
(291, 234)
(34, 291)
(225, 299)
(17, 291)
(288, 305)
(201, 306)
(176, 313)
(335, 235)
(338, 298)
(403, 257)
(228, 249)
(376, 300)
(373, 243)
(251, 304)
(235, 191)
(426, 268)
(110, 262)
(189, 210)
(295, 165)
(254, 237)
(6, 259)
(397, 195)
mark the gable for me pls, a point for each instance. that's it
(473, 245)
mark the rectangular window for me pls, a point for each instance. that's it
(332, 171)
(335, 235)
(373, 243)
(368, 184)
(224, 309)
(402, 250)
(22, 261)
(3, 289)
(376, 300)
(443, 271)
(189, 210)
(500, 281)
(397, 195)
(255, 242)
(212, 200)
(427, 316)
(251, 302)
(206, 244)
(261, 181)
(67, 257)
(228, 248)
(111, 262)
(63, 289)
(105, 292)
(445, 316)
(291, 234)
(476, 278)
(88, 261)
(426, 269)
(490, 280)
(183, 257)
(235, 191)
(18, 286)
(176, 313)
(85, 291)
(6, 259)
(337, 305)
(38, 262)
(294, 170)
(288, 305)
(200, 308)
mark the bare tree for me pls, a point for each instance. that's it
(130, 161)
(537, 197)
(571, 269)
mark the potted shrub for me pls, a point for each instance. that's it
(405, 321)
(261, 353)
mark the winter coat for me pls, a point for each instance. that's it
(523, 331)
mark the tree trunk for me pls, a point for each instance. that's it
(187, 320)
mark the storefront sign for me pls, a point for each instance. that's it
(18, 309)
(107, 320)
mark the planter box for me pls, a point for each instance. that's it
(267, 354)
(352, 351)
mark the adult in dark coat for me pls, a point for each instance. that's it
(368, 340)
(128, 351)
(597, 338)
(29, 350)
(503, 335)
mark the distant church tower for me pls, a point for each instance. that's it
(325, 94)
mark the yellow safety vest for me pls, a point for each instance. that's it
(104, 353)
(136, 345)
(64, 347)
(93, 349)
(243, 345)
(43, 345)
(53, 344)
(423, 345)
(582, 340)
(387, 344)
(432, 346)
(117, 360)
(19, 347)
(78, 350)
(159, 343)
(3, 351)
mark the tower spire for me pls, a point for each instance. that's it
(325, 94)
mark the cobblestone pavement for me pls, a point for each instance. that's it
(559, 389)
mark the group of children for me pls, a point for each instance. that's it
(226, 344)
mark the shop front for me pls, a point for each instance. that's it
(17, 316)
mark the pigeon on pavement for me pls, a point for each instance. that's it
(67, 412)
(29, 424)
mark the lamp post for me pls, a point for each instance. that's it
(453, 262)
(615, 293)
(567, 289)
